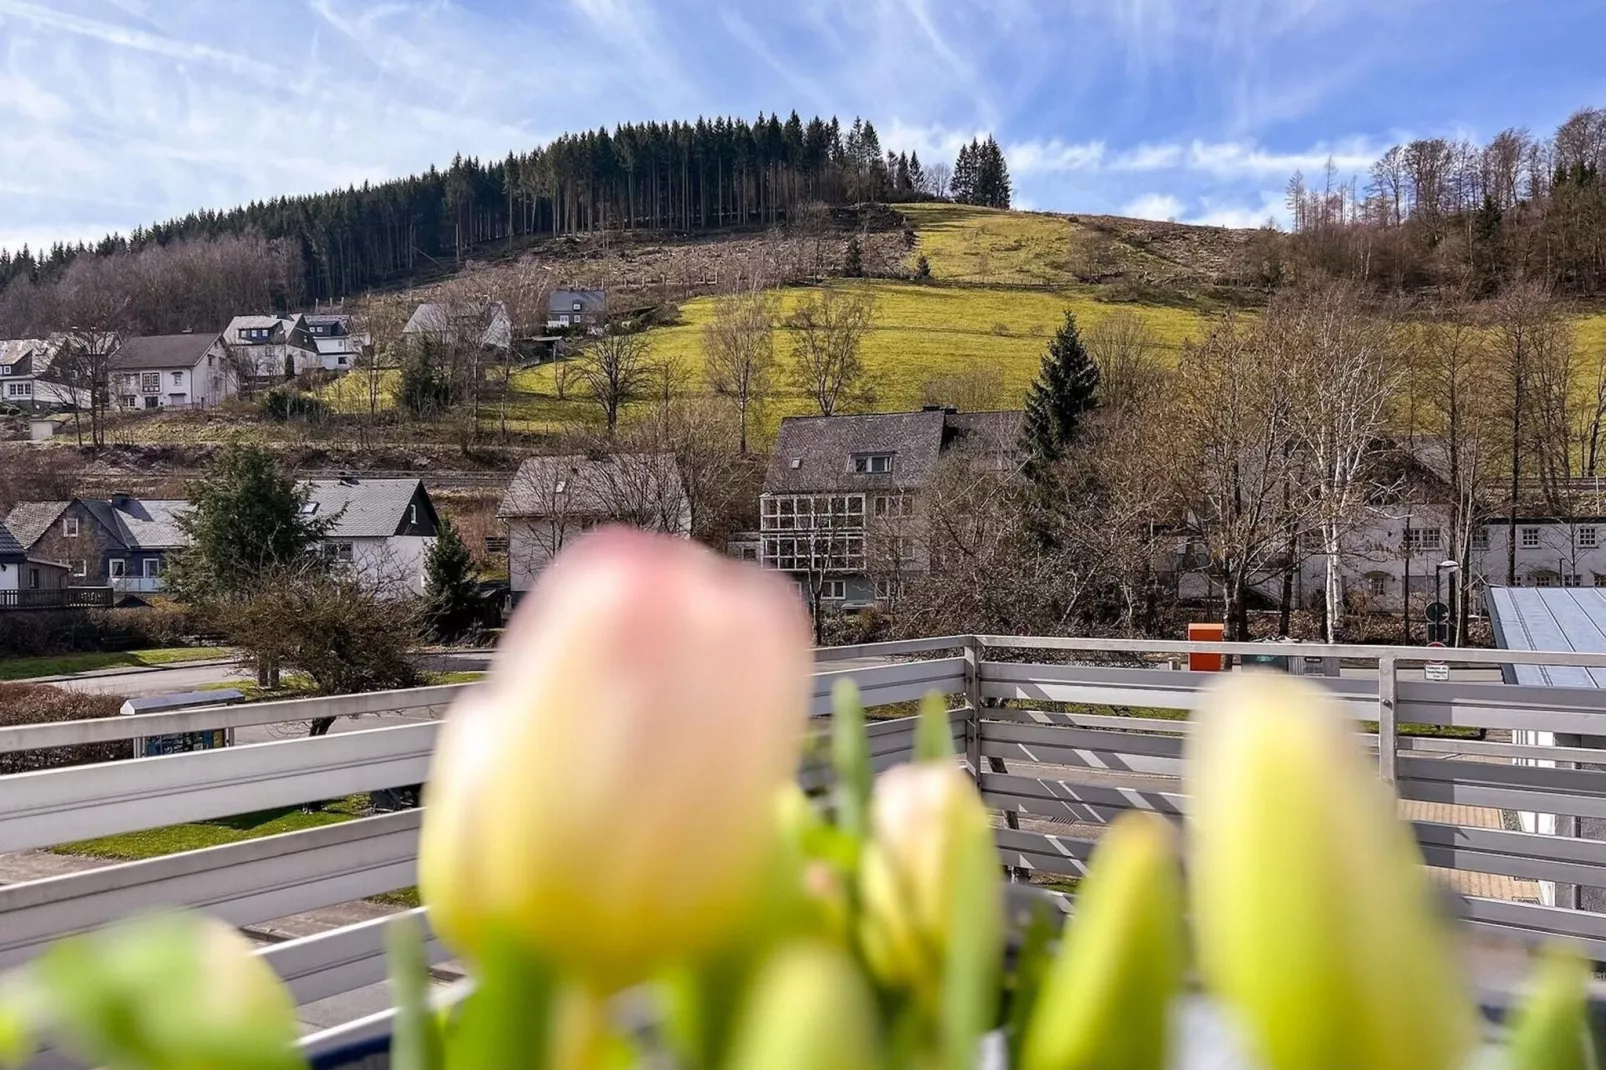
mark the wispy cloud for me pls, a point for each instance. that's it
(1161, 206)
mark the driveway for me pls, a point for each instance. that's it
(192, 676)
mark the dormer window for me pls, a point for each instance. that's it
(875, 464)
(5, 369)
(578, 307)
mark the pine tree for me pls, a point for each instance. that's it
(917, 175)
(963, 183)
(992, 186)
(853, 264)
(452, 602)
(1065, 391)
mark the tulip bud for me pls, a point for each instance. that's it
(927, 822)
(1105, 1000)
(1314, 917)
(808, 1008)
(1552, 1030)
(175, 992)
(606, 798)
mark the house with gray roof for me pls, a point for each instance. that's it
(120, 542)
(271, 348)
(569, 309)
(444, 323)
(382, 528)
(337, 344)
(554, 499)
(20, 573)
(26, 379)
(842, 508)
(191, 370)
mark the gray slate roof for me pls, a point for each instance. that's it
(591, 301)
(9, 546)
(432, 318)
(814, 454)
(28, 521)
(374, 508)
(579, 484)
(162, 351)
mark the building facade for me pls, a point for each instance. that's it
(172, 371)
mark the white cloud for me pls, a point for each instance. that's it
(1218, 213)
(1036, 157)
(1148, 158)
(1161, 206)
(1245, 158)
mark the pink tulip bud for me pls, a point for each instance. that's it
(607, 797)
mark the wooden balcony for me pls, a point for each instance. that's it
(58, 598)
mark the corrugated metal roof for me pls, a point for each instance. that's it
(1550, 618)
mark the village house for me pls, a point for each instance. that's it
(338, 347)
(120, 542)
(571, 309)
(21, 572)
(271, 348)
(442, 324)
(172, 371)
(841, 510)
(25, 376)
(382, 530)
(554, 499)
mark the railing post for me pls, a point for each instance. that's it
(973, 701)
(1387, 707)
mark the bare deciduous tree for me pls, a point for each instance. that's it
(1127, 352)
(975, 389)
(739, 353)
(828, 329)
(617, 369)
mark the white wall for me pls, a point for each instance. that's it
(9, 574)
(395, 566)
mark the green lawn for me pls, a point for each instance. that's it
(457, 677)
(62, 664)
(152, 843)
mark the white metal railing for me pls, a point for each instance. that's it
(1050, 763)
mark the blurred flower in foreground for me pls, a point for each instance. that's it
(808, 1009)
(926, 823)
(1552, 1029)
(1314, 917)
(606, 798)
(167, 992)
(1106, 998)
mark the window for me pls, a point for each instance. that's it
(412, 513)
(833, 590)
(129, 401)
(876, 464)
(1588, 537)
(80, 568)
(1543, 579)
(178, 378)
(1528, 538)
(308, 508)
(905, 547)
(1600, 579)
(1480, 539)
(19, 390)
(69, 527)
(885, 589)
(1377, 584)
(578, 306)
(563, 485)
(150, 382)
(152, 567)
(1571, 579)
(5, 369)
(116, 568)
(894, 505)
(33, 579)
(340, 551)
(1419, 539)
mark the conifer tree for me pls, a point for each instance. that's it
(963, 183)
(853, 264)
(452, 600)
(1065, 391)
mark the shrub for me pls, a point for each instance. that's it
(922, 267)
(282, 406)
(75, 631)
(25, 704)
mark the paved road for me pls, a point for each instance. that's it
(177, 679)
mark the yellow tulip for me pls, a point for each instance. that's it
(1105, 999)
(606, 798)
(1314, 918)
(925, 822)
(808, 1009)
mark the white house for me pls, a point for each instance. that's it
(338, 347)
(21, 572)
(553, 499)
(172, 371)
(442, 323)
(25, 380)
(271, 347)
(576, 308)
(383, 528)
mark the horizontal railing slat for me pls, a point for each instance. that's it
(884, 684)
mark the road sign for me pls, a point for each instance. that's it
(1436, 671)
(1437, 612)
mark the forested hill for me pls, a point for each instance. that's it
(682, 176)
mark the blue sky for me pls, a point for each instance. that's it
(118, 112)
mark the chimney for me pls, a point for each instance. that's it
(119, 498)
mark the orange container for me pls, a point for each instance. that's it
(1205, 633)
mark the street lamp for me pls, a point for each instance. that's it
(1450, 566)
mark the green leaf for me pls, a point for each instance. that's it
(971, 975)
(850, 755)
(417, 1043)
(934, 738)
(507, 1021)
(1031, 963)
(1552, 1031)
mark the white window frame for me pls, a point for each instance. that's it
(151, 567)
(23, 389)
(1480, 538)
(1528, 538)
(1588, 536)
(833, 590)
(69, 527)
(80, 568)
(116, 568)
(873, 464)
(1377, 584)
(1420, 540)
